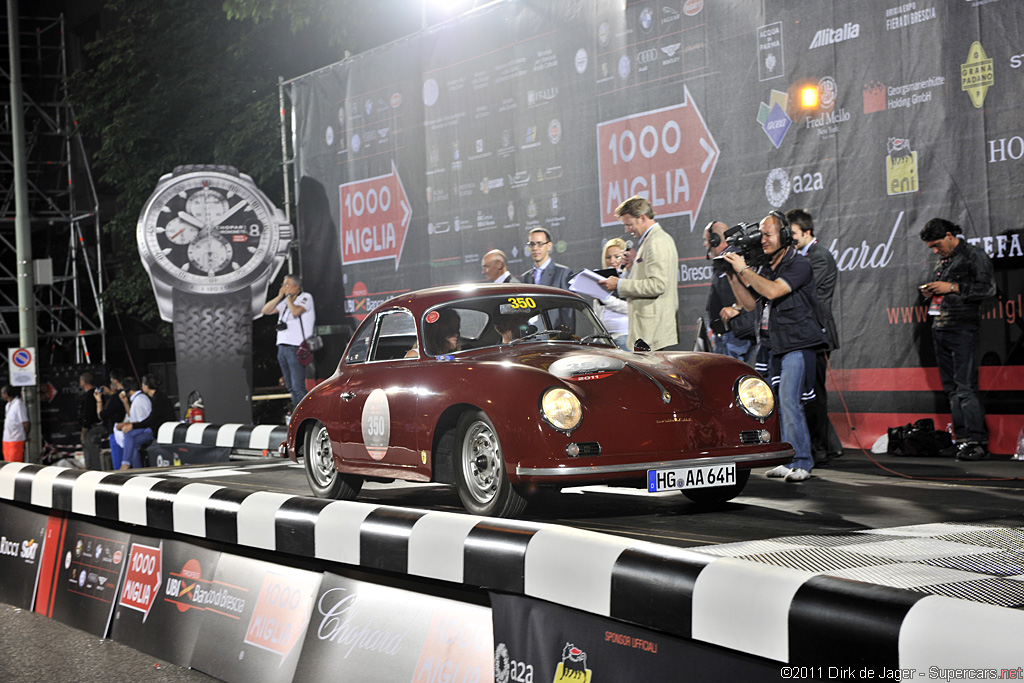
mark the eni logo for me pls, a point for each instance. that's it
(976, 74)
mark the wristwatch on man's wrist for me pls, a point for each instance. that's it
(212, 242)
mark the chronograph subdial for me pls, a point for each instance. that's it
(180, 232)
(209, 254)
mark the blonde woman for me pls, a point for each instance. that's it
(613, 311)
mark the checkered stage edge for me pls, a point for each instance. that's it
(236, 436)
(812, 614)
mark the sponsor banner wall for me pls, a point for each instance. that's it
(254, 619)
(22, 535)
(367, 631)
(167, 590)
(415, 159)
(537, 640)
(79, 585)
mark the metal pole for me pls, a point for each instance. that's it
(23, 233)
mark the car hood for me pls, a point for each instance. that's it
(647, 383)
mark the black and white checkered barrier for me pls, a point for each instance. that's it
(784, 614)
(237, 437)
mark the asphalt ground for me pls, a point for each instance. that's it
(858, 491)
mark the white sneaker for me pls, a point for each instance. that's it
(798, 475)
(780, 472)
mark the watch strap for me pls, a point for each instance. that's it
(213, 345)
(204, 168)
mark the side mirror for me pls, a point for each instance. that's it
(640, 345)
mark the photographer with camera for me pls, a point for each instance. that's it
(296, 318)
(790, 332)
(733, 330)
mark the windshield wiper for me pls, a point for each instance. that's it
(533, 335)
(597, 335)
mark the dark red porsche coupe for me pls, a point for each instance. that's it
(506, 390)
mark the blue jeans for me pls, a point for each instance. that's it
(954, 354)
(292, 370)
(116, 452)
(728, 344)
(133, 440)
(791, 408)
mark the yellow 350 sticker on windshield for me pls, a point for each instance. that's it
(524, 302)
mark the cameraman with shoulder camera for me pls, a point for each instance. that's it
(733, 330)
(790, 333)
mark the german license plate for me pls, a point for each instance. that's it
(691, 478)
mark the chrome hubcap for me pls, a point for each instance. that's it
(481, 462)
(320, 458)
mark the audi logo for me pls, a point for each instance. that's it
(647, 56)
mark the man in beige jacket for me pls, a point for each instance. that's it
(652, 286)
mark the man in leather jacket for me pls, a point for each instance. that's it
(961, 281)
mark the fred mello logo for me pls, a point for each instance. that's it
(976, 74)
(829, 36)
(900, 167)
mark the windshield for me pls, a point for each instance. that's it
(493, 320)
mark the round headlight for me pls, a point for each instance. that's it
(561, 409)
(755, 397)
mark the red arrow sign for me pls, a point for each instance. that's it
(375, 217)
(667, 155)
(142, 578)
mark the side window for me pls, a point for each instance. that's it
(396, 335)
(359, 349)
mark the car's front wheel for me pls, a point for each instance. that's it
(719, 494)
(480, 475)
(323, 478)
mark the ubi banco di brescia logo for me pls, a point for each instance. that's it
(900, 167)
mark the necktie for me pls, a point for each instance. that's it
(536, 275)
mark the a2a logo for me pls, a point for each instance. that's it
(778, 186)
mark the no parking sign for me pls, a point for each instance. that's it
(21, 366)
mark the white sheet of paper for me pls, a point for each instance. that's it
(586, 281)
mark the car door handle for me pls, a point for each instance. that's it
(347, 396)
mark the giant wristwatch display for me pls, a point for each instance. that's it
(212, 242)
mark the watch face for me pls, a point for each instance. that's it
(208, 231)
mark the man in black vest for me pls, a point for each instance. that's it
(825, 444)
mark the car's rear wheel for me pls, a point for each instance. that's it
(480, 475)
(323, 478)
(719, 494)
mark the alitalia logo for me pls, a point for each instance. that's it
(828, 36)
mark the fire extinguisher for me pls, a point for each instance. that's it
(195, 411)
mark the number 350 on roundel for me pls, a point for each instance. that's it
(376, 424)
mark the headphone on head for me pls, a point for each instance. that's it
(714, 239)
(785, 232)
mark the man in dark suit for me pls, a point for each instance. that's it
(825, 443)
(545, 271)
(494, 267)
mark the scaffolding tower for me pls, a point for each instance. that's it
(63, 206)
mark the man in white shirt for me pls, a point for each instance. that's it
(139, 406)
(295, 321)
(15, 424)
